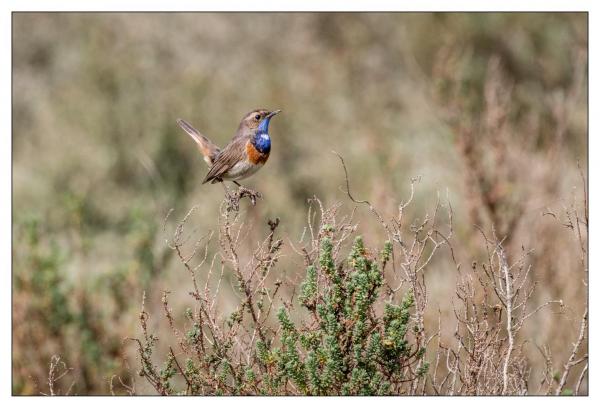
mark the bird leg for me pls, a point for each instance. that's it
(233, 198)
(246, 192)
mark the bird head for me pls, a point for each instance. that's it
(258, 120)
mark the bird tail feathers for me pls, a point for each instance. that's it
(208, 149)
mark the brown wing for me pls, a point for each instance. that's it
(233, 153)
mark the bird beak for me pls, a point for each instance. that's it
(270, 115)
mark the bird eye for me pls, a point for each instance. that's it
(257, 117)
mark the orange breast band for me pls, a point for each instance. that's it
(254, 156)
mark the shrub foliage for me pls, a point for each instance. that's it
(353, 323)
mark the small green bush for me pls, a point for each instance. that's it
(342, 335)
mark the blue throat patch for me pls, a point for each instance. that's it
(262, 141)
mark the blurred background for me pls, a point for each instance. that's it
(490, 109)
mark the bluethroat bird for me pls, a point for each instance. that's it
(243, 156)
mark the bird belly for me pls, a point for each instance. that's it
(241, 170)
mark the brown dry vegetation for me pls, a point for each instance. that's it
(487, 111)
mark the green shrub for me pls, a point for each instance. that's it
(342, 335)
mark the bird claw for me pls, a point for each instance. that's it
(234, 198)
(251, 194)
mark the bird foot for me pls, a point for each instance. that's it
(233, 199)
(251, 194)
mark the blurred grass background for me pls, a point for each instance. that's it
(98, 159)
